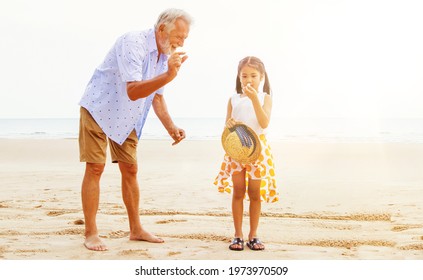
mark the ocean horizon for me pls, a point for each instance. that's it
(406, 130)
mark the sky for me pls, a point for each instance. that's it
(325, 59)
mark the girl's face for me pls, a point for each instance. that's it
(249, 75)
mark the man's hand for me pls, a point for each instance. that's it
(142, 89)
(174, 62)
(177, 135)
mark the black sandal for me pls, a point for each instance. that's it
(255, 241)
(237, 241)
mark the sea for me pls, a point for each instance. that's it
(332, 130)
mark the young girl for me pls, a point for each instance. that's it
(252, 107)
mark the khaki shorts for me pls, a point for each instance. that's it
(93, 143)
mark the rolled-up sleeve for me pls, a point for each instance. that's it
(130, 56)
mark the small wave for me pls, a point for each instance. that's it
(329, 131)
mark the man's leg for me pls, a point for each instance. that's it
(131, 198)
(90, 193)
(92, 148)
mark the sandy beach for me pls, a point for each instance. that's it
(338, 201)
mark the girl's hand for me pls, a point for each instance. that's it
(249, 91)
(230, 123)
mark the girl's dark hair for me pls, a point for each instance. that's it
(257, 64)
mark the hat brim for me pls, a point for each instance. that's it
(246, 140)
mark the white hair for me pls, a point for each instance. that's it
(169, 16)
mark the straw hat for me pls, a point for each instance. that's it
(241, 143)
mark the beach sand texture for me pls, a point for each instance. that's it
(338, 201)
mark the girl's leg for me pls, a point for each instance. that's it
(255, 209)
(238, 203)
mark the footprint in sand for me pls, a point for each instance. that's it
(2, 250)
(55, 213)
(136, 252)
(118, 234)
(334, 226)
(412, 247)
(170, 221)
(9, 233)
(404, 227)
(170, 254)
(348, 244)
(70, 231)
(201, 236)
(31, 251)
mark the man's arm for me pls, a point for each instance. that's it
(160, 108)
(142, 89)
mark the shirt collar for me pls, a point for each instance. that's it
(151, 42)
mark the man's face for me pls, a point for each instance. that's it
(169, 41)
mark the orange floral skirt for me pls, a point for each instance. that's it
(262, 169)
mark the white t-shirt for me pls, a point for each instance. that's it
(243, 110)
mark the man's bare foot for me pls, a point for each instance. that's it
(95, 243)
(145, 236)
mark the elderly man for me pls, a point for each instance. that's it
(114, 109)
